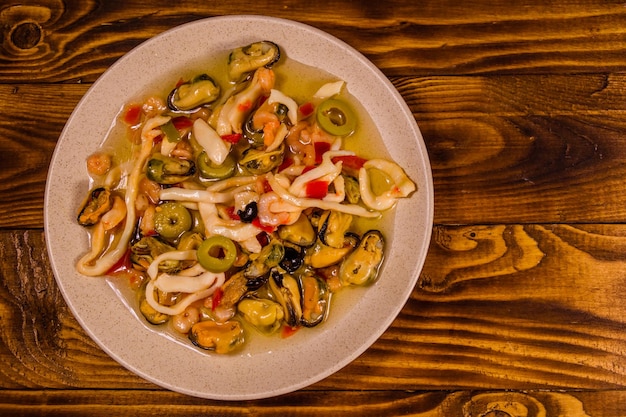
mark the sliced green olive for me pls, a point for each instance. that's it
(336, 117)
(217, 253)
(172, 219)
(209, 170)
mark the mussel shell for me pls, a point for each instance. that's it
(95, 205)
(361, 266)
(250, 57)
(333, 227)
(146, 249)
(168, 171)
(150, 314)
(315, 298)
(202, 80)
(218, 337)
(257, 161)
(263, 314)
(300, 232)
(286, 289)
(254, 137)
(320, 255)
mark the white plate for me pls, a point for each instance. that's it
(264, 370)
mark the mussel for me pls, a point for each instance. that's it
(188, 97)
(287, 291)
(250, 57)
(167, 170)
(333, 225)
(300, 233)
(150, 314)
(146, 249)
(361, 266)
(218, 337)
(320, 255)
(351, 184)
(98, 202)
(265, 315)
(257, 162)
(254, 136)
(315, 296)
(233, 290)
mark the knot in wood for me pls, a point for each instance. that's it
(26, 35)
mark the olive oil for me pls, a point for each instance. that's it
(299, 82)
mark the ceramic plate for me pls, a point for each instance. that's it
(274, 366)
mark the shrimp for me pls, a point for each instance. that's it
(237, 108)
(273, 211)
(265, 118)
(300, 144)
(99, 163)
(184, 321)
(154, 106)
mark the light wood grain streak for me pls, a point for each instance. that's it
(515, 324)
(314, 403)
(504, 39)
(575, 144)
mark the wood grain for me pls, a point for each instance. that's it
(519, 309)
(316, 403)
(498, 301)
(74, 41)
(499, 152)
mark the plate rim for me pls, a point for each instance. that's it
(425, 170)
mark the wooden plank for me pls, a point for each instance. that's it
(515, 306)
(560, 158)
(67, 403)
(55, 42)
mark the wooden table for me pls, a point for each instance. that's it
(520, 305)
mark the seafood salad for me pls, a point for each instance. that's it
(235, 210)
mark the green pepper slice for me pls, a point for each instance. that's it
(336, 117)
(217, 254)
(172, 219)
(171, 133)
(212, 171)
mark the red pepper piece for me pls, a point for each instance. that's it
(132, 114)
(320, 149)
(217, 298)
(232, 138)
(182, 122)
(121, 265)
(288, 331)
(269, 229)
(306, 109)
(316, 189)
(350, 161)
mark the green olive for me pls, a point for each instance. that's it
(217, 253)
(336, 117)
(171, 220)
(216, 172)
